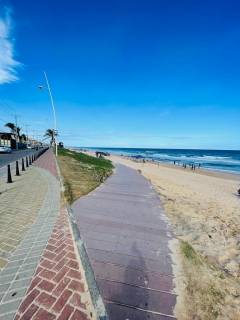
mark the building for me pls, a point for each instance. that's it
(7, 139)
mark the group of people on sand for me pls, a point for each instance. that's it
(193, 166)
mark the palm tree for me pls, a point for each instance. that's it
(23, 137)
(18, 129)
(11, 126)
(51, 134)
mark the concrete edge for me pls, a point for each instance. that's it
(95, 294)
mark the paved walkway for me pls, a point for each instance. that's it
(126, 235)
(20, 204)
(41, 278)
(57, 290)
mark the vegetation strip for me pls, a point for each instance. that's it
(82, 173)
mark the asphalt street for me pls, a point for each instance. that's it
(15, 155)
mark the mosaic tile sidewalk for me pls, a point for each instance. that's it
(16, 276)
(43, 277)
(57, 290)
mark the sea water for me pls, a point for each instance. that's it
(222, 160)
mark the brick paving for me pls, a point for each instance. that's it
(47, 161)
(57, 290)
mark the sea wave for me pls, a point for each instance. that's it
(223, 160)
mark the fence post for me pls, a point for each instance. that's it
(9, 176)
(23, 167)
(17, 169)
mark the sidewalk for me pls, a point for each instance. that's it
(41, 276)
(127, 238)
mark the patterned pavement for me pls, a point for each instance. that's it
(57, 290)
(20, 204)
(42, 276)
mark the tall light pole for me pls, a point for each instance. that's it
(54, 112)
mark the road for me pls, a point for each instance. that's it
(127, 236)
(15, 155)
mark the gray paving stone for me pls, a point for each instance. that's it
(30, 266)
(8, 271)
(4, 287)
(9, 306)
(21, 251)
(18, 257)
(13, 264)
(25, 246)
(25, 274)
(7, 278)
(41, 243)
(22, 283)
(14, 294)
(9, 316)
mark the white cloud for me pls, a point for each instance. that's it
(8, 64)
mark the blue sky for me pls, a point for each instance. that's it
(124, 73)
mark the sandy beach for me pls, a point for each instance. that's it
(203, 208)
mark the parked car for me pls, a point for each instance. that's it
(5, 149)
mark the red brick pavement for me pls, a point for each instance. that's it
(57, 289)
(47, 161)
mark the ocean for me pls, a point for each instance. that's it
(221, 160)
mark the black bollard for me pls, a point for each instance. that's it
(17, 169)
(27, 162)
(9, 177)
(23, 166)
(30, 160)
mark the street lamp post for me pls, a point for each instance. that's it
(54, 112)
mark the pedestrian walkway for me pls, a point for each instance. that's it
(57, 290)
(41, 275)
(126, 235)
(20, 204)
(47, 161)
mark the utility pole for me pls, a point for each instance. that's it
(54, 113)
(26, 129)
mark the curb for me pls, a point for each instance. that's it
(94, 291)
(89, 274)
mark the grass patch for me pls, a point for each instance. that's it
(204, 293)
(82, 173)
(99, 163)
(68, 192)
(190, 253)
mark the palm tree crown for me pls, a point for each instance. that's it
(51, 134)
(11, 126)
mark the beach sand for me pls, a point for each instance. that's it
(204, 210)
